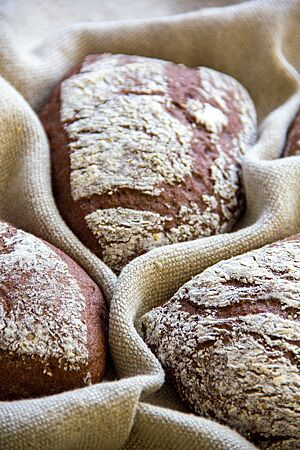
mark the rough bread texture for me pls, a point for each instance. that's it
(229, 342)
(147, 153)
(52, 319)
(292, 147)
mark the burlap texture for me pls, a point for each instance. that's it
(258, 42)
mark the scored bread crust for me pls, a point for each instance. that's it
(229, 341)
(146, 153)
(52, 319)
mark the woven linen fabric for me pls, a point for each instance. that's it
(257, 42)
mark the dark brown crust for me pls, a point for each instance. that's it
(71, 211)
(227, 306)
(25, 377)
(183, 83)
(95, 316)
(292, 146)
(240, 309)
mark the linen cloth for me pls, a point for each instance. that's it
(258, 43)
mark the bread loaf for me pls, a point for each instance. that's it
(52, 319)
(229, 342)
(292, 147)
(146, 153)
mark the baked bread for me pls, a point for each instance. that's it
(52, 319)
(146, 152)
(292, 146)
(229, 342)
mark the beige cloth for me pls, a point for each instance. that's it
(258, 42)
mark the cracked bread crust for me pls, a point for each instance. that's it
(52, 320)
(147, 153)
(229, 341)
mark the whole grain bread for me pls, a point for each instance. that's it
(52, 319)
(146, 153)
(229, 342)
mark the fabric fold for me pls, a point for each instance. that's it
(257, 43)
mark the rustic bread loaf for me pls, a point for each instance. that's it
(146, 153)
(52, 319)
(229, 342)
(292, 147)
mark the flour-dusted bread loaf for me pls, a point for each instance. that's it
(229, 342)
(292, 147)
(52, 319)
(146, 152)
